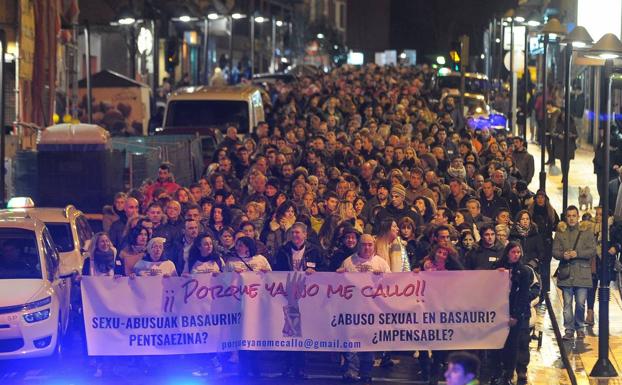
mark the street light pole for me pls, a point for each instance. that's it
(566, 157)
(543, 127)
(526, 81)
(512, 83)
(206, 69)
(2, 107)
(603, 366)
(580, 37)
(87, 62)
(608, 48)
(252, 21)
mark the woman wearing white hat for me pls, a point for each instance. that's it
(154, 262)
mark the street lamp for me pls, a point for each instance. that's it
(2, 105)
(553, 26)
(608, 47)
(578, 37)
(529, 20)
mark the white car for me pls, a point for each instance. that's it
(68, 226)
(34, 299)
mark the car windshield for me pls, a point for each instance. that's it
(208, 113)
(19, 256)
(61, 234)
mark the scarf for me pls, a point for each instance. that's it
(522, 231)
(103, 260)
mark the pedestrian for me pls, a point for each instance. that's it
(574, 248)
(365, 260)
(154, 262)
(503, 363)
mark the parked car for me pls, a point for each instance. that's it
(68, 226)
(34, 298)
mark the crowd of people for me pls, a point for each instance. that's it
(361, 170)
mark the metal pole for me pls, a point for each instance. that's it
(155, 51)
(230, 44)
(512, 84)
(604, 367)
(543, 128)
(206, 51)
(526, 76)
(2, 107)
(500, 58)
(493, 49)
(273, 59)
(566, 159)
(252, 20)
(89, 90)
(132, 53)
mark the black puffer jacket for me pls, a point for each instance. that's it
(484, 258)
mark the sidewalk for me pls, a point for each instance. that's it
(546, 366)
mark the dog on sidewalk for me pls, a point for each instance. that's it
(585, 198)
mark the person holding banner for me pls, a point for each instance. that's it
(154, 262)
(365, 260)
(102, 261)
(441, 258)
(504, 363)
(135, 250)
(245, 259)
(298, 255)
(203, 258)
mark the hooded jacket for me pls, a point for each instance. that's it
(580, 266)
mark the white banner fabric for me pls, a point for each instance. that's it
(293, 311)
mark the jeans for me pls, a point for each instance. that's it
(576, 322)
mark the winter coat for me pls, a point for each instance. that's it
(311, 259)
(489, 208)
(520, 304)
(532, 245)
(525, 163)
(580, 266)
(392, 212)
(484, 258)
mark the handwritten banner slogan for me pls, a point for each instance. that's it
(293, 311)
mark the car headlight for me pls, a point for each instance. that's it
(37, 316)
(38, 303)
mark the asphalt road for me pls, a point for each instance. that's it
(76, 368)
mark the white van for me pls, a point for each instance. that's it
(208, 111)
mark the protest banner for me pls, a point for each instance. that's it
(293, 311)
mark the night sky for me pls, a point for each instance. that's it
(430, 25)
